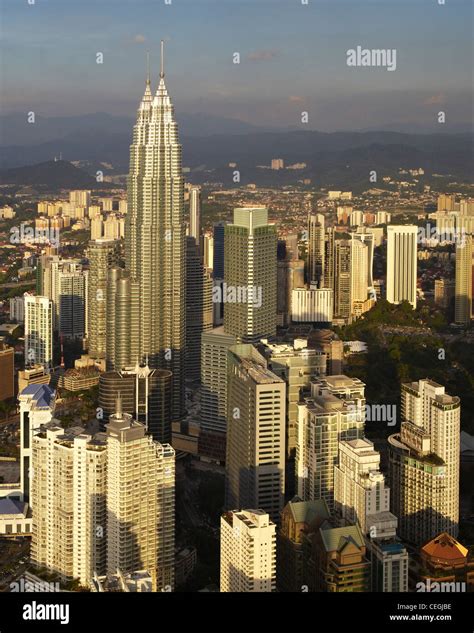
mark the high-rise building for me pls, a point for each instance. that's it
(145, 394)
(17, 309)
(218, 265)
(155, 248)
(140, 501)
(297, 518)
(424, 461)
(463, 306)
(329, 258)
(366, 237)
(102, 254)
(69, 503)
(444, 292)
(36, 408)
(195, 213)
(248, 552)
(297, 365)
(38, 331)
(401, 264)
(212, 437)
(80, 198)
(290, 275)
(72, 300)
(316, 253)
(7, 371)
(251, 266)
(335, 412)
(255, 459)
(312, 305)
(342, 279)
(199, 306)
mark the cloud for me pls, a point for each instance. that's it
(435, 99)
(263, 55)
(139, 39)
(295, 99)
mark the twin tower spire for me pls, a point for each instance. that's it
(147, 97)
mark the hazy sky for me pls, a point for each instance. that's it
(293, 58)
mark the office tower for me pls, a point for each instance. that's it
(463, 312)
(199, 307)
(38, 331)
(248, 552)
(80, 198)
(359, 486)
(297, 365)
(122, 319)
(69, 501)
(366, 237)
(312, 305)
(7, 371)
(140, 501)
(255, 458)
(359, 275)
(290, 275)
(72, 300)
(155, 247)
(195, 213)
(297, 519)
(36, 408)
(212, 438)
(445, 560)
(424, 461)
(401, 264)
(361, 497)
(102, 255)
(218, 265)
(335, 560)
(342, 279)
(251, 265)
(316, 249)
(17, 309)
(335, 412)
(208, 251)
(145, 394)
(329, 258)
(444, 292)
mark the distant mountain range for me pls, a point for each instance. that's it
(51, 175)
(211, 143)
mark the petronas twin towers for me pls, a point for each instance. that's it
(147, 312)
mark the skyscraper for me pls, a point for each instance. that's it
(463, 310)
(140, 501)
(335, 412)
(402, 263)
(248, 552)
(316, 249)
(155, 246)
(251, 266)
(102, 254)
(342, 279)
(195, 213)
(38, 331)
(424, 461)
(255, 464)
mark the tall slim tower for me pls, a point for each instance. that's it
(155, 242)
(463, 307)
(316, 249)
(250, 264)
(195, 213)
(38, 331)
(401, 264)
